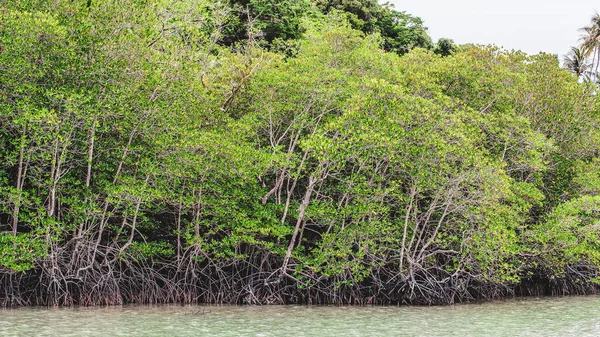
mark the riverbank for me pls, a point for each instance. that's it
(187, 152)
(114, 286)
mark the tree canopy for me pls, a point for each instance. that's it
(177, 151)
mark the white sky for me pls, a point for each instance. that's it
(530, 25)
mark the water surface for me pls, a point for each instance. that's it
(568, 316)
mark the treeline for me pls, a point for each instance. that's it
(154, 151)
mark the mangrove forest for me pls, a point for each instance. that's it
(288, 152)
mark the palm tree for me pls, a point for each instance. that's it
(576, 62)
(590, 45)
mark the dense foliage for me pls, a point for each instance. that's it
(148, 156)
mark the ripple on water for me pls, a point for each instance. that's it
(568, 316)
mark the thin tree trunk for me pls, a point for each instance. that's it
(50, 206)
(301, 210)
(198, 213)
(104, 218)
(90, 158)
(133, 224)
(58, 172)
(88, 178)
(291, 190)
(20, 180)
(413, 192)
(179, 232)
(275, 188)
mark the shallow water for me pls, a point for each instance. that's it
(568, 316)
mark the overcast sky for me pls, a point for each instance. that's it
(530, 25)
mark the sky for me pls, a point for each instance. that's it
(532, 26)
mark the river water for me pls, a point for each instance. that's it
(567, 316)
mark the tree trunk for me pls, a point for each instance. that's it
(301, 210)
(20, 180)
